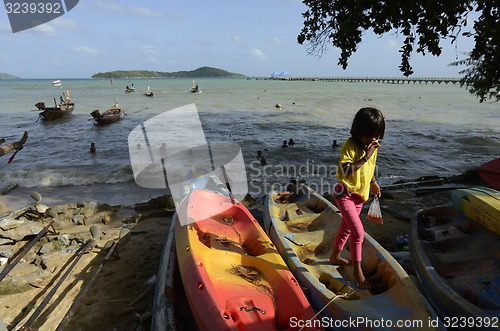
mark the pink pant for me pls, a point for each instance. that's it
(350, 206)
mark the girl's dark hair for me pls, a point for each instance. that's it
(368, 122)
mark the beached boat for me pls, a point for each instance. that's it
(111, 115)
(171, 310)
(303, 224)
(64, 108)
(481, 204)
(457, 262)
(233, 276)
(170, 307)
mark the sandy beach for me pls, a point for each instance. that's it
(121, 297)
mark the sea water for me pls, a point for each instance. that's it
(431, 129)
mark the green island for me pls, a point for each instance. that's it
(197, 73)
(8, 76)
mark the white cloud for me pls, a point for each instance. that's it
(108, 7)
(65, 23)
(152, 59)
(5, 27)
(258, 54)
(86, 50)
(278, 42)
(52, 28)
(45, 29)
(391, 45)
(150, 50)
(238, 40)
(145, 12)
(176, 15)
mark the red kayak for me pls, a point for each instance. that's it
(490, 173)
(233, 276)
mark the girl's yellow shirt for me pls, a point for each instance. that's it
(358, 182)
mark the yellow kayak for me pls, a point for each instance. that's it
(303, 225)
(481, 204)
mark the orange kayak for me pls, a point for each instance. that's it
(233, 276)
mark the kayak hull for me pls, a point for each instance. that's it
(233, 276)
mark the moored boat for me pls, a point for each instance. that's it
(64, 108)
(149, 93)
(303, 224)
(233, 276)
(194, 88)
(111, 115)
(457, 263)
(129, 89)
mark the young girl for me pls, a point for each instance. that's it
(356, 180)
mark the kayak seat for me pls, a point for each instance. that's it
(216, 242)
(240, 237)
(259, 247)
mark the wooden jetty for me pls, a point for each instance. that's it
(386, 80)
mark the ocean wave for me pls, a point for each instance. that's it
(53, 178)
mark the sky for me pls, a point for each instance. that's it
(254, 38)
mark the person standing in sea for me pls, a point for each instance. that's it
(355, 181)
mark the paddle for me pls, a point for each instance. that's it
(110, 248)
(226, 179)
(489, 172)
(5, 149)
(83, 249)
(14, 214)
(13, 156)
(414, 183)
(26, 249)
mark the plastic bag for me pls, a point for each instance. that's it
(374, 213)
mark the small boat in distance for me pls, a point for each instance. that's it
(195, 88)
(149, 93)
(65, 107)
(111, 115)
(129, 88)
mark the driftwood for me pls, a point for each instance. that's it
(18, 145)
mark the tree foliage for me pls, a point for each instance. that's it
(422, 23)
(200, 72)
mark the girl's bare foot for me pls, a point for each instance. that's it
(359, 277)
(339, 260)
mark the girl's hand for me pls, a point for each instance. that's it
(375, 189)
(371, 147)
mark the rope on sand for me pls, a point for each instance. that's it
(345, 295)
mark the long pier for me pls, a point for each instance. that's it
(387, 80)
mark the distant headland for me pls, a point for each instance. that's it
(207, 72)
(8, 76)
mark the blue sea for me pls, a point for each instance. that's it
(431, 129)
